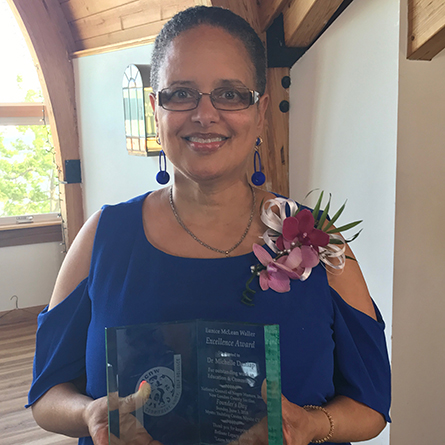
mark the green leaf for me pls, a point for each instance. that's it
(335, 217)
(354, 237)
(335, 241)
(345, 227)
(324, 214)
(316, 210)
(261, 204)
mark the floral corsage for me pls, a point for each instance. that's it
(300, 242)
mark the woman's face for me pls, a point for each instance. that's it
(205, 144)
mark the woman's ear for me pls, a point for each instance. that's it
(154, 107)
(262, 108)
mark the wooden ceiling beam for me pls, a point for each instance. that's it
(305, 19)
(269, 10)
(247, 9)
(426, 28)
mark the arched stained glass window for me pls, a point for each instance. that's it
(140, 131)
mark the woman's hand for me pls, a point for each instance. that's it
(131, 431)
(300, 427)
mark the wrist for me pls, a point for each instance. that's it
(88, 414)
(323, 423)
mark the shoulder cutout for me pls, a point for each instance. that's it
(76, 264)
(351, 286)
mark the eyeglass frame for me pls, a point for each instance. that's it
(255, 96)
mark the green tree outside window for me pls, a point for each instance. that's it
(28, 175)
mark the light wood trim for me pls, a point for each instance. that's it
(303, 20)
(147, 32)
(50, 50)
(275, 149)
(113, 47)
(426, 28)
(23, 109)
(28, 225)
(269, 10)
(34, 233)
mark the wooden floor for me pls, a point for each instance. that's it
(17, 342)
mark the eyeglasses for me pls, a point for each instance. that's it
(224, 98)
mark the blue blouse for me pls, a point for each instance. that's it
(328, 348)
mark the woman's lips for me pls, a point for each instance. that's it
(206, 143)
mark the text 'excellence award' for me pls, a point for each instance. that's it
(205, 378)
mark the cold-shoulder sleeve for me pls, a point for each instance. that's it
(60, 342)
(362, 369)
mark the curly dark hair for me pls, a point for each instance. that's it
(235, 25)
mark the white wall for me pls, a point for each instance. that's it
(419, 279)
(29, 272)
(109, 174)
(343, 133)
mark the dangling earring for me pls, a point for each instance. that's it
(258, 178)
(162, 177)
(158, 139)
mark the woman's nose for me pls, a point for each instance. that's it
(205, 113)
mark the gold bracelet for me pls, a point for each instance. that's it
(331, 422)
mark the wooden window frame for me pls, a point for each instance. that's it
(40, 228)
(31, 233)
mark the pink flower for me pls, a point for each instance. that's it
(278, 273)
(299, 230)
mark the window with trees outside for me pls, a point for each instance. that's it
(29, 192)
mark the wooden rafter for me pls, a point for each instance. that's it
(269, 10)
(44, 28)
(244, 8)
(305, 19)
(426, 28)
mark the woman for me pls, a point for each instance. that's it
(185, 252)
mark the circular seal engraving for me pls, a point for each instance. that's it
(166, 388)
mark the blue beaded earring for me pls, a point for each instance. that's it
(258, 177)
(162, 177)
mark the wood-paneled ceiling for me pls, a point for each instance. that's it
(92, 26)
(102, 24)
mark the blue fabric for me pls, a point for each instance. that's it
(327, 347)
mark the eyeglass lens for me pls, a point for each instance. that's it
(224, 98)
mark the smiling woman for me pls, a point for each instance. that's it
(207, 61)
(185, 252)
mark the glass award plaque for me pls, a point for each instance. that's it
(206, 380)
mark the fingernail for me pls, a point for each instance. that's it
(144, 389)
